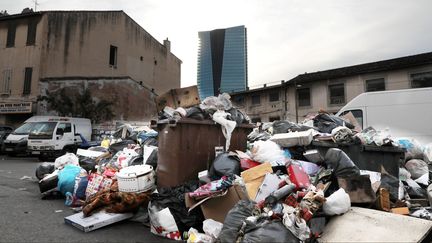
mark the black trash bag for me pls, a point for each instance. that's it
(390, 183)
(269, 231)
(341, 164)
(136, 161)
(88, 164)
(98, 149)
(234, 220)
(236, 115)
(225, 164)
(174, 199)
(287, 126)
(414, 190)
(326, 123)
(114, 148)
(152, 159)
(48, 183)
(44, 169)
(196, 113)
(151, 142)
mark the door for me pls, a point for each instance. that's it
(68, 134)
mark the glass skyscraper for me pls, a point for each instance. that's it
(222, 61)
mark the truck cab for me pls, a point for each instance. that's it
(57, 135)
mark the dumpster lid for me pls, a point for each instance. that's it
(184, 120)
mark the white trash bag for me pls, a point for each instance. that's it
(337, 203)
(68, 158)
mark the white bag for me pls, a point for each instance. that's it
(162, 223)
(337, 203)
(268, 151)
(68, 158)
(427, 153)
(212, 228)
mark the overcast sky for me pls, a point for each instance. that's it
(285, 37)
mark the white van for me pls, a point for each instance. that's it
(407, 112)
(16, 142)
(54, 136)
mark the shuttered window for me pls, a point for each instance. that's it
(27, 80)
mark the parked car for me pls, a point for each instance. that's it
(4, 132)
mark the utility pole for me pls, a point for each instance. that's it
(35, 5)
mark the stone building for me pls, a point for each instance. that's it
(105, 51)
(331, 89)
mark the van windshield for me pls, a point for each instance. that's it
(42, 130)
(24, 129)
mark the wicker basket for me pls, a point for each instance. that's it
(136, 178)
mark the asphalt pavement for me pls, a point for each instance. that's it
(25, 217)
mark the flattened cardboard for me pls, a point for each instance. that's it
(217, 208)
(254, 177)
(96, 221)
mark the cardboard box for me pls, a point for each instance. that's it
(217, 207)
(403, 210)
(96, 221)
(183, 97)
(254, 177)
(291, 139)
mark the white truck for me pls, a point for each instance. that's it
(406, 113)
(49, 136)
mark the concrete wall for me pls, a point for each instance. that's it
(78, 44)
(132, 102)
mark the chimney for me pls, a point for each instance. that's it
(167, 44)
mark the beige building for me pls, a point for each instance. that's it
(106, 51)
(330, 90)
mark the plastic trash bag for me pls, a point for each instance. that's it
(212, 228)
(429, 194)
(427, 153)
(66, 178)
(44, 169)
(68, 158)
(413, 147)
(119, 146)
(414, 190)
(196, 113)
(212, 103)
(162, 222)
(296, 225)
(341, 163)
(337, 203)
(89, 164)
(417, 168)
(196, 237)
(237, 116)
(390, 183)
(234, 220)
(267, 151)
(326, 122)
(225, 164)
(174, 199)
(404, 174)
(287, 126)
(270, 231)
(227, 126)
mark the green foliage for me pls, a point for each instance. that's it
(79, 105)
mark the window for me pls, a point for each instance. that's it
(5, 84)
(358, 115)
(256, 119)
(11, 35)
(303, 97)
(31, 32)
(113, 56)
(274, 96)
(421, 80)
(239, 100)
(337, 94)
(275, 118)
(377, 84)
(67, 128)
(256, 99)
(27, 80)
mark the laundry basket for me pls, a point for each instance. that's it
(136, 178)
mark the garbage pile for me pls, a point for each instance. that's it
(286, 183)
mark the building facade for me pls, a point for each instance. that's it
(41, 50)
(222, 61)
(330, 90)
